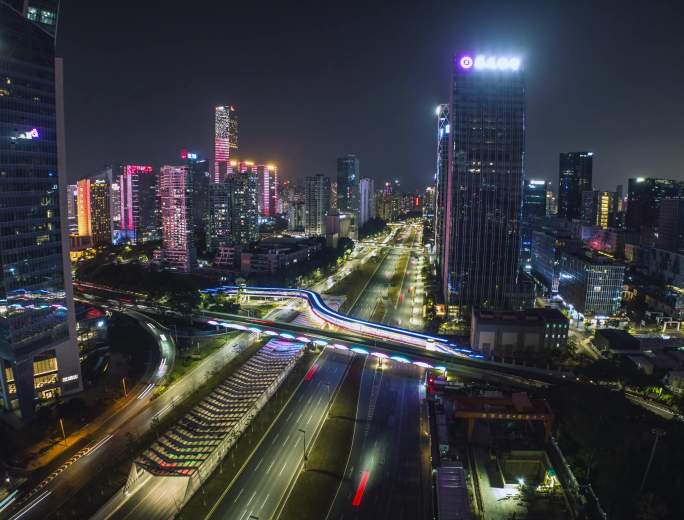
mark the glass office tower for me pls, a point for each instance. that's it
(484, 182)
(38, 353)
(443, 131)
(574, 177)
(348, 183)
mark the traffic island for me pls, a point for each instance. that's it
(315, 488)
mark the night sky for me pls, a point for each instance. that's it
(318, 81)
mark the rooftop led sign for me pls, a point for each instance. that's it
(484, 62)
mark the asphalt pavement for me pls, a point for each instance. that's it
(262, 484)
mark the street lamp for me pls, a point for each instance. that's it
(304, 434)
(658, 432)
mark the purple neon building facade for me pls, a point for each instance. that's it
(483, 202)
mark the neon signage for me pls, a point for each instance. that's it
(484, 62)
(31, 134)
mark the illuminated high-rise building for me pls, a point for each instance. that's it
(598, 208)
(316, 204)
(175, 196)
(39, 357)
(138, 203)
(348, 183)
(100, 214)
(234, 206)
(72, 208)
(267, 177)
(219, 215)
(441, 178)
(244, 220)
(225, 137)
(201, 179)
(483, 200)
(83, 205)
(366, 200)
(534, 198)
(574, 177)
(94, 215)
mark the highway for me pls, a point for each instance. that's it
(263, 482)
(388, 473)
(112, 438)
(378, 286)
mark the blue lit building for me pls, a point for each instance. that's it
(534, 208)
(38, 354)
(592, 283)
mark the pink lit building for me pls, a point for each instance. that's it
(175, 193)
(267, 175)
(225, 138)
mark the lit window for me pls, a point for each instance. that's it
(47, 17)
(32, 14)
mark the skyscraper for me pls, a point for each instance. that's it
(100, 214)
(219, 216)
(534, 198)
(83, 208)
(348, 183)
(316, 204)
(484, 182)
(597, 208)
(244, 221)
(38, 352)
(671, 224)
(644, 196)
(201, 178)
(139, 219)
(93, 215)
(72, 208)
(225, 137)
(574, 177)
(175, 195)
(443, 131)
(366, 200)
(267, 176)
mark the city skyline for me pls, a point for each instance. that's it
(378, 72)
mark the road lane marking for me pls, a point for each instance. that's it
(275, 438)
(269, 467)
(264, 502)
(238, 495)
(258, 464)
(282, 469)
(289, 416)
(307, 422)
(252, 498)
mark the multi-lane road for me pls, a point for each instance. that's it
(264, 481)
(388, 472)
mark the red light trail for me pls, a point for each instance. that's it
(362, 487)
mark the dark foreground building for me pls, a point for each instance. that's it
(38, 353)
